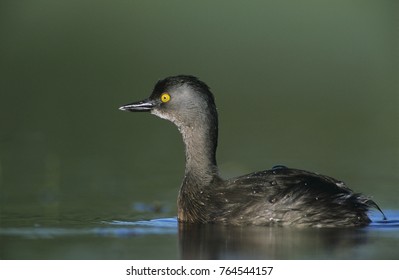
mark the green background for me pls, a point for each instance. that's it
(308, 84)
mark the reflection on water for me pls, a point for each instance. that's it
(210, 242)
(218, 242)
(167, 239)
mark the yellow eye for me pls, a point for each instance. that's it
(165, 97)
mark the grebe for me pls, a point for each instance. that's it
(281, 196)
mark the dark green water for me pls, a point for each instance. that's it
(308, 84)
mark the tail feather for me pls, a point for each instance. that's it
(372, 204)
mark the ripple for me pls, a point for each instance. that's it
(111, 229)
(162, 226)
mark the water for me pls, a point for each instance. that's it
(166, 239)
(310, 85)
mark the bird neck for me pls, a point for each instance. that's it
(200, 139)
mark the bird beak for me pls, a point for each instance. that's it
(141, 106)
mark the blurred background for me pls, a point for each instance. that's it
(310, 84)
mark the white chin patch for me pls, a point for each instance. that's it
(161, 114)
(168, 117)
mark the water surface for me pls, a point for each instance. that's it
(165, 238)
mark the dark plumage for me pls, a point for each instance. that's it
(280, 196)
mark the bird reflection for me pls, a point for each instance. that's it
(209, 241)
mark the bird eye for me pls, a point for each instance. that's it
(165, 97)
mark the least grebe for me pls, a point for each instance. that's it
(280, 196)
